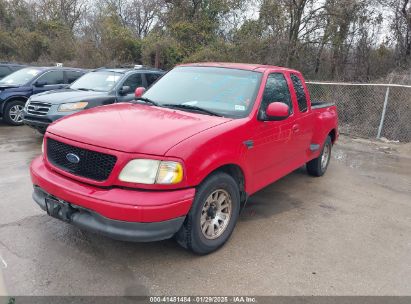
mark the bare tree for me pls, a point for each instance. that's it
(141, 15)
(68, 12)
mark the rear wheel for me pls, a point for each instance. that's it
(13, 112)
(319, 165)
(213, 215)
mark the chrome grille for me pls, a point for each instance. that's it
(38, 108)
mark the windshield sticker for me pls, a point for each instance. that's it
(33, 72)
(239, 108)
(112, 78)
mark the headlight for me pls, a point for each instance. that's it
(42, 147)
(74, 106)
(149, 171)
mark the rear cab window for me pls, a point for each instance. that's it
(300, 93)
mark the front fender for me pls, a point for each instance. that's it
(206, 152)
(218, 160)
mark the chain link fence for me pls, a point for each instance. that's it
(369, 110)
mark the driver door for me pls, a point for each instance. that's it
(272, 139)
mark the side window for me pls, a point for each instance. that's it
(4, 71)
(133, 81)
(53, 77)
(73, 75)
(151, 78)
(276, 90)
(300, 92)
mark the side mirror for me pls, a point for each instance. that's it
(277, 111)
(124, 90)
(139, 92)
(40, 83)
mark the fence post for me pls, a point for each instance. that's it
(384, 109)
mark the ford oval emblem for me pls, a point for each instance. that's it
(73, 158)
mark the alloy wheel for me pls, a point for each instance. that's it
(216, 214)
(16, 113)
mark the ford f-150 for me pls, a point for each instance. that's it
(183, 158)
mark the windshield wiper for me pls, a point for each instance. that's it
(147, 100)
(191, 107)
(83, 89)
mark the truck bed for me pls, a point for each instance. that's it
(317, 104)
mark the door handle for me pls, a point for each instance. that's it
(295, 128)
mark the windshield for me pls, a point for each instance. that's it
(227, 92)
(20, 77)
(97, 81)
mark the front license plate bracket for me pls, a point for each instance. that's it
(59, 209)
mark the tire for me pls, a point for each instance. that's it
(13, 112)
(319, 165)
(215, 187)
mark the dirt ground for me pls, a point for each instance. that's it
(347, 233)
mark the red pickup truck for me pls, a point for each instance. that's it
(183, 158)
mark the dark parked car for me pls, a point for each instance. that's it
(8, 68)
(99, 87)
(16, 88)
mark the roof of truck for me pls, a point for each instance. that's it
(240, 66)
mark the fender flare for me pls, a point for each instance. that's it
(221, 165)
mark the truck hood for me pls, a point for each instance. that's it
(66, 95)
(133, 128)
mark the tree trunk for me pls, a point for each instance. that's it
(157, 58)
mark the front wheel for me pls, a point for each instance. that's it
(319, 165)
(213, 215)
(13, 112)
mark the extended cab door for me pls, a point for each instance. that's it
(272, 140)
(304, 126)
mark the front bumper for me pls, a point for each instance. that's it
(94, 222)
(133, 215)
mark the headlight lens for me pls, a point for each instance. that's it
(149, 171)
(42, 147)
(74, 106)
